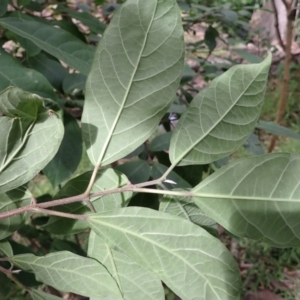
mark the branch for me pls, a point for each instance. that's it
(42, 207)
(277, 25)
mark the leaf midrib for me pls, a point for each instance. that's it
(110, 134)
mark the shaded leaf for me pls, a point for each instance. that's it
(161, 142)
(138, 64)
(221, 116)
(8, 201)
(106, 180)
(276, 129)
(56, 41)
(5, 246)
(158, 170)
(134, 281)
(186, 208)
(190, 261)
(68, 157)
(12, 73)
(30, 137)
(69, 272)
(74, 81)
(257, 197)
(249, 57)
(210, 36)
(3, 7)
(254, 145)
(50, 68)
(136, 171)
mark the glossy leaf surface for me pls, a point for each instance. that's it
(190, 261)
(221, 116)
(134, 77)
(257, 197)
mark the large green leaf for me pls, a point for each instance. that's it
(106, 180)
(68, 157)
(12, 73)
(221, 116)
(74, 82)
(134, 281)
(9, 201)
(56, 41)
(257, 197)
(30, 135)
(194, 264)
(69, 272)
(134, 77)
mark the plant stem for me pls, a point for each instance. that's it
(9, 275)
(286, 76)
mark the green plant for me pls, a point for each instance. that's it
(150, 219)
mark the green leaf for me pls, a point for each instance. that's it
(211, 34)
(31, 48)
(56, 41)
(74, 82)
(221, 116)
(106, 180)
(68, 157)
(87, 19)
(23, 2)
(8, 201)
(185, 207)
(12, 73)
(158, 170)
(187, 259)
(254, 145)
(39, 295)
(69, 272)
(134, 281)
(138, 65)
(257, 197)
(6, 248)
(276, 129)
(50, 68)
(161, 142)
(30, 137)
(137, 171)
(249, 57)
(3, 7)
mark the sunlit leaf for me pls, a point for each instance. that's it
(221, 116)
(257, 197)
(69, 272)
(6, 248)
(191, 262)
(134, 281)
(134, 77)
